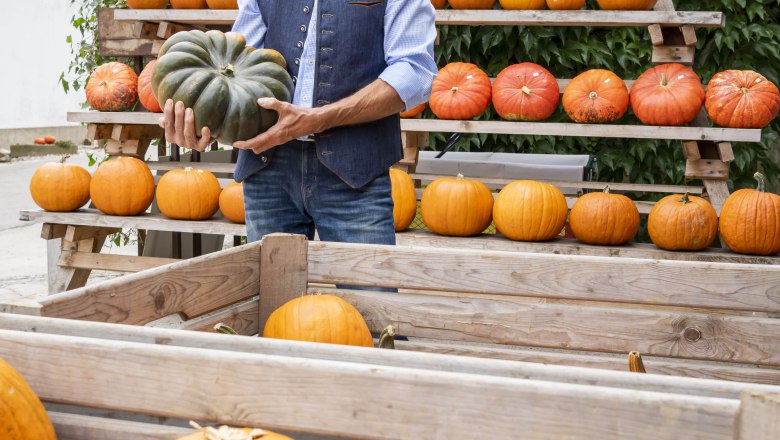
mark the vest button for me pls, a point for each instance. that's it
(305, 9)
(299, 44)
(303, 28)
(297, 61)
(264, 159)
(295, 79)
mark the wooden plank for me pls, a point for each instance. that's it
(717, 191)
(123, 132)
(117, 263)
(689, 35)
(656, 35)
(210, 166)
(167, 29)
(244, 318)
(130, 147)
(691, 150)
(759, 416)
(50, 231)
(674, 54)
(81, 427)
(711, 169)
(99, 131)
(725, 152)
(193, 288)
(63, 278)
(424, 400)
(140, 47)
(110, 29)
(283, 272)
(77, 233)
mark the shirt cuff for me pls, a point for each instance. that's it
(412, 87)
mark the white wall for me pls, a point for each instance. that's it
(33, 52)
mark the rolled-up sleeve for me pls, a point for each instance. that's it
(250, 23)
(410, 31)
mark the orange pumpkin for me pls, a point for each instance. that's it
(741, 99)
(439, 4)
(596, 96)
(229, 432)
(189, 4)
(222, 4)
(527, 210)
(112, 87)
(472, 4)
(566, 5)
(231, 202)
(604, 218)
(145, 94)
(60, 187)
(456, 206)
(669, 94)
(39, 141)
(188, 194)
(319, 318)
(23, 416)
(122, 186)
(460, 91)
(412, 112)
(147, 4)
(522, 4)
(404, 199)
(49, 139)
(750, 220)
(525, 92)
(682, 223)
(627, 5)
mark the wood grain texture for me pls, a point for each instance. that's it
(283, 272)
(674, 54)
(713, 169)
(111, 262)
(759, 416)
(77, 233)
(242, 317)
(81, 427)
(62, 278)
(51, 231)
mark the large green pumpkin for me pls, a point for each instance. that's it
(220, 78)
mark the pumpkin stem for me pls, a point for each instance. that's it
(593, 95)
(228, 70)
(224, 329)
(685, 200)
(459, 176)
(64, 158)
(387, 338)
(526, 90)
(761, 187)
(635, 364)
(606, 189)
(454, 89)
(187, 168)
(664, 80)
(745, 90)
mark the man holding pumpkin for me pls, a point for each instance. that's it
(355, 66)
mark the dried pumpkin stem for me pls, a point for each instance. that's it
(593, 95)
(606, 189)
(685, 200)
(64, 158)
(526, 90)
(664, 80)
(459, 176)
(761, 187)
(224, 329)
(228, 70)
(387, 338)
(635, 364)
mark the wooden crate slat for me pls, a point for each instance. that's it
(81, 427)
(242, 317)
(112, 262)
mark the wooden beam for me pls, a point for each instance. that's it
(706, 169)
(674, 54)
(116, 263)
(68, 278)
(725, 152)
(283, 272)
(243, 318)
(78, 233)
(227, 168)
(51, 231)
(124, 132)
(691, 150)
(759, 416)
(99, 131)
(81, 427)
(140, 47)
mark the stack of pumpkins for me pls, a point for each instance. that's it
(625, 5)
(183, 4)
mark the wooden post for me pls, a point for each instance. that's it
(758, 417)
(87, 239)
(672, 44)
(284, 271)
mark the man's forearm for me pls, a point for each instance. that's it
(375, 101)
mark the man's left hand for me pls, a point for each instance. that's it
(294, 122)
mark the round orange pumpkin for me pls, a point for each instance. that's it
(49, 139)
(319, 318)
(472, 4)
(404, 199)
(741, 99)
(147, 4)
(527, 210)
(439, 4)
(682, 223)
(188, 194)
(627, 5)
(229, 432)
(145, 94)
(231, 202)
(60, 187)
(566, 5)
(460, 91)
(189, 4)
(414, 111)
(669, 94)
(222, 4)
(604, 218)
(522, 4)
(122, 186)
(39, 141)
(596, 96)
(23, 416)
(456, 206)
(750, 220)
(525, 92)
(112, 87)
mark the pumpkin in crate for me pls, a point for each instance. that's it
(750, 220)
(669, 94)
(189, 4)
(60, 187)
(112, 87)
(522, 4)
(439, 4)
(682, 223)
(604, 218)
(596, 96)
(565, 5)
(527, 210)
(223, 98)
(23, 416)
(222, 4)
(472, 4)
(188, 194)
(456, 206)
(414, 111)
(627, 5)
(460, 91)
(122, 186)
(231, 202)
(145, 95)
(404, 199)
(741, 99)
(319, 318)
(147, 4)
(525, 92)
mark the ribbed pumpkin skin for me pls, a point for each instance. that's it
(221, 89)
(669, 94)
(412, 112)
(147, 4)
(188, 194)
(525, 92)
(319, 318)
(189, 4)
(678, 224)
(222, 4)
(231, 202)
(112, 87)
(750, 222)
(566, 5)
(145, 95)
(460, 91)
(439, 4)
(22, 415)
(741, 99)
(522, 4)
(456, 206)
(527, 210)
(627, 5)
(472, 4)
(122, 186)
(60, 187)
(596, 96)
(604, 219)
(404, 199)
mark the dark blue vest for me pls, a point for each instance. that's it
(350, 55)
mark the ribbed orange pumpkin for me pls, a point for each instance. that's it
(147, 4)
(741, 99)
(145, 94)
(122, 186)
(222, 4)
(112, 87)
(525, 92)
(60, 187)
(460, 91)
(231, 202)
(267, 435)
(604, 218)
(188, 194)
(189, 4)
(669, 94)
(23, 416)
(472, 4)
(750, 220)
(566, 5)
(439, 4)
(319, 318)
(627, 5)
(527, 210)
(596, 96)
(404, 199)
(456, 206)
(522, 4)
(682, 223)
(414, 111)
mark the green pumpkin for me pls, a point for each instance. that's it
(220, 78)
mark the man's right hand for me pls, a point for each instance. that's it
(179, 125)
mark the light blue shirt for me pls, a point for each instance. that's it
(409, 36)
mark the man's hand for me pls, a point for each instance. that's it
(293, 122)
(179, 125)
